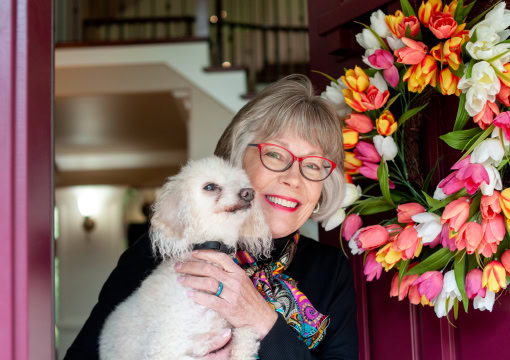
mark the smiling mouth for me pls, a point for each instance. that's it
(282, 202)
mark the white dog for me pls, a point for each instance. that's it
(209, 200)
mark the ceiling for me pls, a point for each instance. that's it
(135, 139)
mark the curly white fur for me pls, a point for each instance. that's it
(158, 321)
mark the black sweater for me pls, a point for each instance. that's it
(323, 275)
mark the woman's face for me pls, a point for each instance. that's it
(273, 187)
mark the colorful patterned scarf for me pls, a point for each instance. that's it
(282, 294)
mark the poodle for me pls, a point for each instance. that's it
(209, 200)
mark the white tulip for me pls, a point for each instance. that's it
(335, 220)
(439, 194)
(450, 291)
(489, 152)
(355, 246)
(379, 82)
(494, 181)
(429, 226)
(335, 96)
(476, 98)
(385, 146)
(395, 43)
(484, 76)
(378, 24)
(497, 19)
(483, 49)
(367, 40)
(352, 193)
(485, 303)
(497, 134)
(484, 31)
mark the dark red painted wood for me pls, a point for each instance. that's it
(26, 261)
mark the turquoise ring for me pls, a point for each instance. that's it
(220, 288)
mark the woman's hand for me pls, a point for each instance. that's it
(239, 302)
(220, 347)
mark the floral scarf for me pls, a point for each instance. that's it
(282, 294)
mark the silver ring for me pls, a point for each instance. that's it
(220, 288)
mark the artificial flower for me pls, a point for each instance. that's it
(405, 212)
(378, 81)
(374, 99)
(483, 49)
(494, 229)
(505, 260)
(456, 213)
(429, 284)
(483, 77)
(350, 138)
(351, 194)
(398, 24)
(485, 117)
(405, 284)
(335, 220)
(429, 226)
(452, 51)
(408, 242)
(388, 256)
(420, 75)
(494, 276)
(355, 246)
(494, 183)
(386, 124)
(446, 240)
(352, 224)
(489, 152)
(496, 21)
(369, 170)
(366, 39)
(367, 152)
(413, 53)
(356, 79)
(484, 302)
(449, 292)
(353, 99)
(474, 284)
(476, 98)
(383, 59)
(385, 146)
(487, 249)
(335, 96)
(373, 236)
(442, 25)
(469, 176)
(372, 269)
(351, 163)
(359, 122)
(448, 82)
(502, 121)
(469, 237)
(427, 9)
(504, 202)
(489, 205)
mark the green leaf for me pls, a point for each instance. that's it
(402, 270)
(449, 199)
(501, 75)
(370, 72)
(459, 269)
(434, 262)
(462, 114)
(410, 113)
(475, 205)
(477, 19)
(459, 72)
(504, 42)
(372, 206)
(459, 139)
(429, 175)
(430, 200)
(382, 174)
(326, 76)
(407, 9)
(478, 141)
(496, 57)
(470, 68)
(467, 9)
(459, 12)
(472, 263)
(381, 41)
(455, 308)
(391, 101)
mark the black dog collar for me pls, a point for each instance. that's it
(214, 245)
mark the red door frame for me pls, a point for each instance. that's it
(26, 254)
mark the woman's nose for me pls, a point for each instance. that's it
(247, 194)
(291, 176)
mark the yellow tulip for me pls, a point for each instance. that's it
(448, 82)
(388, 256)
(354, 100)
(393, 22)
(504, 202)
(426, 9)
(494, 276)
(356, 79)
(420, 75)
(351, 163)
(386, 124)
(351, 138)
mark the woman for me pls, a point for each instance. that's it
(290, 144)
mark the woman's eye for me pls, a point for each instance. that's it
(210, 187)
(274, 155)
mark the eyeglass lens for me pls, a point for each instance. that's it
(279, 159)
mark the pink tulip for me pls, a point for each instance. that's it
(411, 54)
(367, 152)
(486, 249)
(469, 237)
(489, 205)
(369, 170)
(404, 285)
(430, 284)
(456, 213)
(352, 223)
(408, 242)
(474, 284)
(504, 94)
(373, 236)
(393, 230)
(442, 25)
(502, 121)
(485, 117)
(359, 122)
(505, 260)
(470, 176)
(446, 240)
(406, 211)
(373, 269)
(374, 99)
(383, 59)
(494, 229)
(414, 296)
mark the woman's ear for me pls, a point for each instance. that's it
(255, 235)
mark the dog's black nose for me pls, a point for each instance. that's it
(247, 194)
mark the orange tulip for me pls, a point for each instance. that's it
(405, 212)
(353, 99)
(504, 94)
(373, 236)
(469, 237)
(351, 138)
(374, 99)
(356, 79)
(442, 25)
(507, 74)
(398, 24)
(427, 9)
(347, 177)
(386, 124)
(388, 256)
(411, 54)
(485, 117)
(505, 260)
(456, 213)
(452, 51)
(448, 82)
(351, 163)
(405, 285)
(359, 122)
(420, 75)
(504, 202)
(408, 242)
(393, 22)
(494, 276)
(489, 205)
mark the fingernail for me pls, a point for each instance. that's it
(178, 266)
(180, 279)
(189, 293)
(226, 333)
(194, 252)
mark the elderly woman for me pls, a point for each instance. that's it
(289, 141)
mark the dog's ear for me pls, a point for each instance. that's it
(255, 235)
(170, 221)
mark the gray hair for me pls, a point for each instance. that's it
(290, 105)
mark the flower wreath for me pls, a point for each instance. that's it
(452, 246)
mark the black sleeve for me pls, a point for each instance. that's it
(339, 302)
(135, 264)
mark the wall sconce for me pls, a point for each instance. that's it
(88, 207)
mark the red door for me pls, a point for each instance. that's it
(26, 261)
(389, 329)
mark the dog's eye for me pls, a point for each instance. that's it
(210, 187)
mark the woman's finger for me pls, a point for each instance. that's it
(219, 348)
(218, 258)
(198, 268)
(201, 283)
